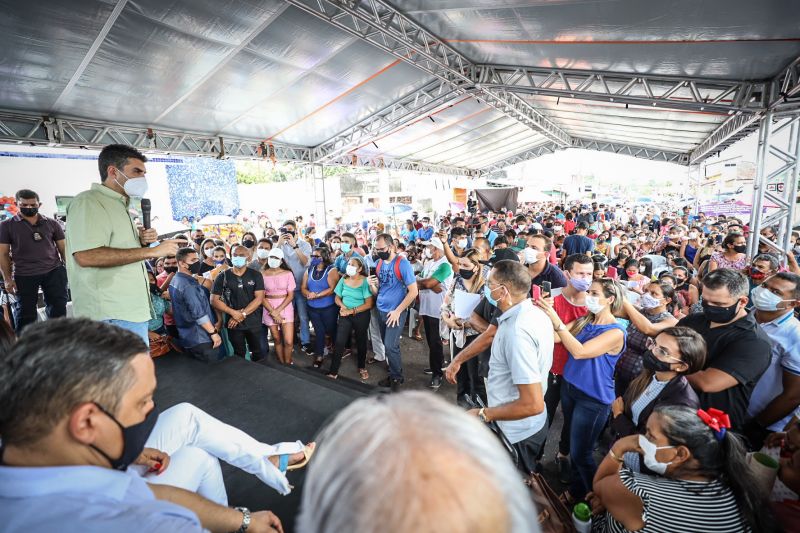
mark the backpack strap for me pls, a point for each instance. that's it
(397, 269)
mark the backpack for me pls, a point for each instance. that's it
(397, 273)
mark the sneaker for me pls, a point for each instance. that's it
(564, 468)
(385, 382)
(428, 371)
(306, 349)
(436, 382)
(395, 386)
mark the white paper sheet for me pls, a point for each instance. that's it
(464, 302)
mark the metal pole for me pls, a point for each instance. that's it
(791, 186)
(760, 184)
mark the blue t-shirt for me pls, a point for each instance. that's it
(392, 291)
(578, 244)
(595, 376)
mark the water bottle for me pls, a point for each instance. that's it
(582, 518)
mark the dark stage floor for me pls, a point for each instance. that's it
(271, 404)
(275, 404)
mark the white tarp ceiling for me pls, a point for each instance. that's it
(269, 70)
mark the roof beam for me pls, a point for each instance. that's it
(98, 41)
(668, 92)
(397, 115)
(642, 152)
(785, 90)
(386, 28)
(525, 155)
(727, 133)
(355, 160)
(29, 129)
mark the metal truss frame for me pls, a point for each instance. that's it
(386, 28)
(32, 129)
(734, 128)
(355, 160)
(641, 152)
(785, 88)
(668, 92)
(391, 118)
(777, 172)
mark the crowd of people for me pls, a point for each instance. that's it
(667, 347)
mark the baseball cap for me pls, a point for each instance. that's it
(435, 242)
(502, 254)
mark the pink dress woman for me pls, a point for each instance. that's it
(275, 290)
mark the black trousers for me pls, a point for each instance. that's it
(239, 335)
(551, 400)
(206, 352)
(54, 287)
(468, 380)
(358, 323)
(435, 351)
(530, 449)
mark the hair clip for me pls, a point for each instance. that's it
(717, 420)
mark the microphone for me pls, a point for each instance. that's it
(146, 213)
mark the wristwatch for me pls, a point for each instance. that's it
(561, 327)
(482, 415)
(245, 519)
(244, 314)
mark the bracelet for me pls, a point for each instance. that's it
(616, 457)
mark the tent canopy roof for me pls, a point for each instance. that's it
(602, 74)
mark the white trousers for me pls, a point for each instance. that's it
(195, 441)
(375, 335)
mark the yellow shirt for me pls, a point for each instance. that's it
(99, 218)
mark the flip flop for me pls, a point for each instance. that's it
(308, 451)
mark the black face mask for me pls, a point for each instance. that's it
(466, 274)
(171, 270)
(154, 289)
(133, 439)
(653, 363)
(383, 256)
(29, 211)
(248, 243)
(720, 315)
(740, 249)
(199, 240)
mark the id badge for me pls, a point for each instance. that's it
(37, 236)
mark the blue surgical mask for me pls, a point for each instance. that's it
(315, 262)
(345, 247)
(487, 292)
(238, 262)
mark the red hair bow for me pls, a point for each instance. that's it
(717, 420)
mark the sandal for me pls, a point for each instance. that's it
(416, 337)
(308, 451)
(332, 376)
(283, 460)
(364, 373)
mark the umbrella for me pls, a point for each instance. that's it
(216, 220)
(397, 209)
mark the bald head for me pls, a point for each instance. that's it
(443, 465)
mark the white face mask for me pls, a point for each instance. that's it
(262, 253)
(134, 186)
(336, 246)
(461, 243)
(766, 300)
(428, 254)
(530, 256)
(692, 235)
(274, 262)
(650, 460)
(351, 270)
(521, 227)
(648, 301)
(593, 304)
(209, 252)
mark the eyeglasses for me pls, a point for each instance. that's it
(660, 351)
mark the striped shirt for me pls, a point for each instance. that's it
(677, 506)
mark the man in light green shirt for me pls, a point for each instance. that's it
(106, 250)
